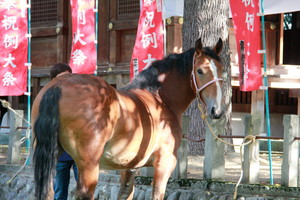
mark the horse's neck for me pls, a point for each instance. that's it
(177, 94)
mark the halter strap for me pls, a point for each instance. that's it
(198, 90)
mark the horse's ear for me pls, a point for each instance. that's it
(198, 46)
(218, 47)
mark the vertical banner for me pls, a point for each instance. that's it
(149, 43)
(83, 54)
(13, 47)
(247, 32)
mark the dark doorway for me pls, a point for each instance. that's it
(291, 44)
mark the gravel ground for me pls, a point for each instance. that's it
(233, 167)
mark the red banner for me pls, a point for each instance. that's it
(13, 48)
(83, 54)
(149, 43)
(247, 32)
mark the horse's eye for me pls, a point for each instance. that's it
(199, 71)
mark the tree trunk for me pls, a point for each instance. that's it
(207, 19)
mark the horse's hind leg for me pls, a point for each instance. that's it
(88, 173)
(127, 181)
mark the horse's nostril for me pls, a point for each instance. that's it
(214, 114)
(213, 110)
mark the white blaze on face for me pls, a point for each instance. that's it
(214, 70)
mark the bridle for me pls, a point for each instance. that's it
(198, 90)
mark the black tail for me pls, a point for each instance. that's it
(45, 153)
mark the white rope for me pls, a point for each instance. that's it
(6, 104)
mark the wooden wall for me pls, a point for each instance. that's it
(118, 20)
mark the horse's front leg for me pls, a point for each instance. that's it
(164, 166)
(127, 185)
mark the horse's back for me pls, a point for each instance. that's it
(78, 90)
(84, 95)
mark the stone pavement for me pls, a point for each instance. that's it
(21, 188)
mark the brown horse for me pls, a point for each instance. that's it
(138, 125)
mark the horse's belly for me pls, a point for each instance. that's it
(127, 158)
(109, 161)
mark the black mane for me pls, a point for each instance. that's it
(183, 63)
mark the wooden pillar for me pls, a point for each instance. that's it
(103, 34)
(298, 110)
(14, 148)
(250, 165)
(174, 35)
(279, 60)
(290, 161)
(114, 47)
(63, 32)
(114, 40)
(258, 107)
(214, 161)
(180, 172)
(36, 85)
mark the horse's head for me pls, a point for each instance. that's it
(206, 77)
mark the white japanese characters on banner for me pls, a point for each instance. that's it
(13, 47)
(83, 54)
(149, 43)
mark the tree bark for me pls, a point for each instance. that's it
(208, 19)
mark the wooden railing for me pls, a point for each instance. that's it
(214, 161)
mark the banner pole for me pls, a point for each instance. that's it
(266, 91)
(96, 35)
(28, 135)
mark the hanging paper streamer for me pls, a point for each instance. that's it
(149, 43)
(247, 32)
(83, 54)
(13, 47)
